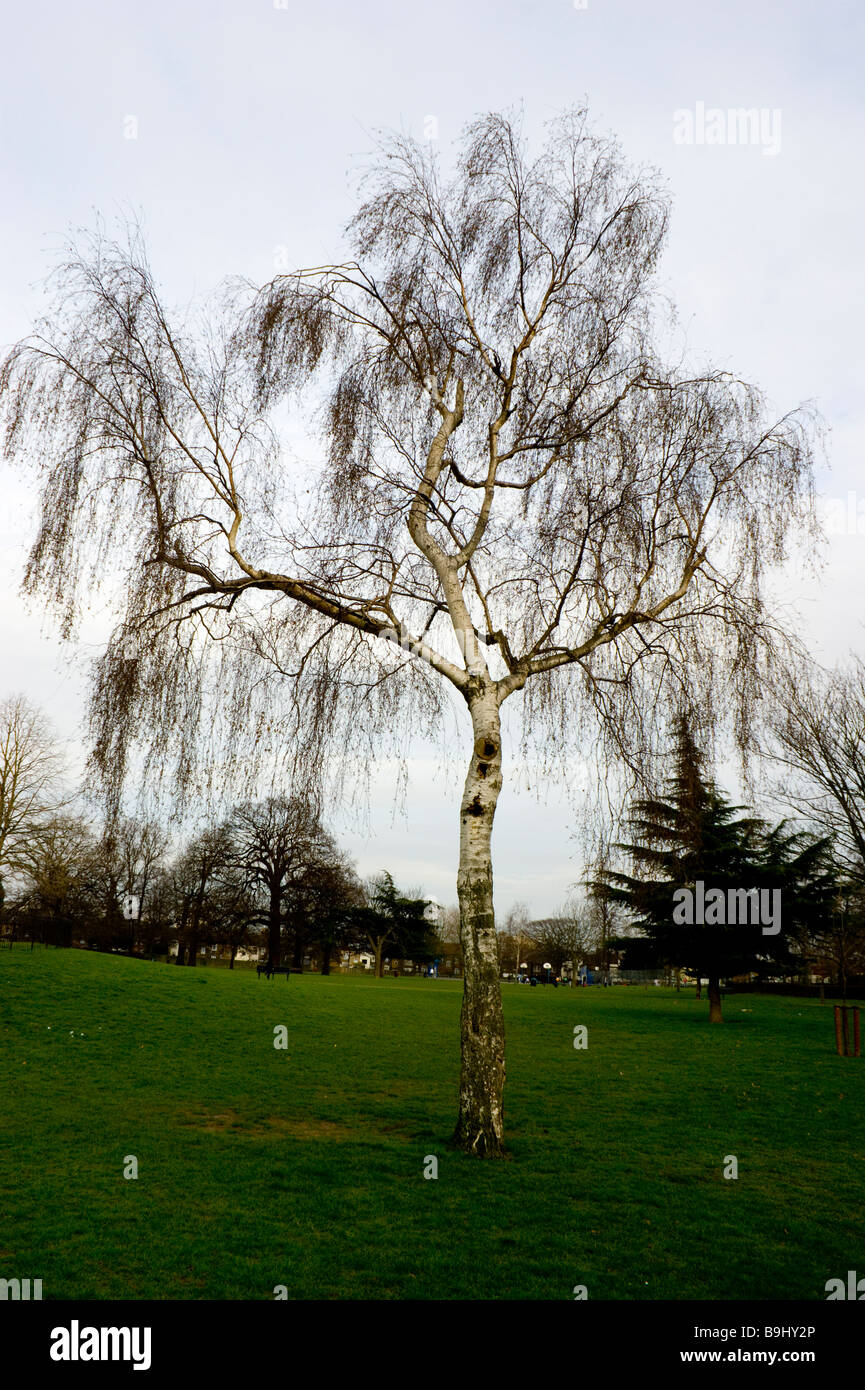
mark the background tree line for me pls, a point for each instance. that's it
(268, 876)
(271, 876)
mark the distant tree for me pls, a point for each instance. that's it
(106, 873)
(155, 929)
(232, 914)
(332, 892)
(815, 725)
(804, 867)
(551, 944)
(609, 925)
(60, 892)
(198, 874)
(279, 841)
(571, 935)
(516, 488)
(843, 937)
(832, 941)
(516, 937)
(419, 925)
(447, 936)
(395, 926)
(140, 846)
(691, 836)
(30, 770)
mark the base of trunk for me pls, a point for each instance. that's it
(477, 1140)
(480, 1126)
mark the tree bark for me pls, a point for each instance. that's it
(480, 1127)
(715, 1015)
(274, 924)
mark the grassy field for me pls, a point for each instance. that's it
(304, 1167)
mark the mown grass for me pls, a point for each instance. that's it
(304, 1167)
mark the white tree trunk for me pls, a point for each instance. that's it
(480, 1128)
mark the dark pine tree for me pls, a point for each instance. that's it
(693, 835)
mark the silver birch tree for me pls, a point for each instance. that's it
(517, 496)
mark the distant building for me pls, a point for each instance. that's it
(357, 960)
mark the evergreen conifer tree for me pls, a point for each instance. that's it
(693, 839)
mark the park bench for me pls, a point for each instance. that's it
(271, 970)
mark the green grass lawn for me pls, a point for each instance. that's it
(304, 1167)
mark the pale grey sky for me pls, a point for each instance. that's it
(249, 119)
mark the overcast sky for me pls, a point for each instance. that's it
(234, 129)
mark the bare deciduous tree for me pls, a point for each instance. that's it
(449, 925)
(447, 933)
(141, 846)
(130, 851)
(516, 494)
(816, 725)
(516, 934)
(332, 893)
(30, 768)
(278, 841)
(198, 873)
(570, 935)
(59, 871)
